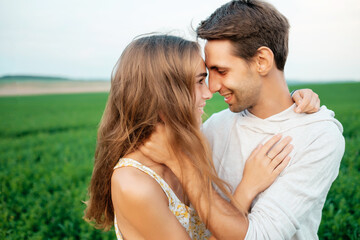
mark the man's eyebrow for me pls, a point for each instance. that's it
(204, 74)
(215, 67)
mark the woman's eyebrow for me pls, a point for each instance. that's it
(204, 74)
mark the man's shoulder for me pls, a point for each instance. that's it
(328, 132)
(320, 130)
(323, 121)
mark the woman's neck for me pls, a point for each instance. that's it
(148, 162)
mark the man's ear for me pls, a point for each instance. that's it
(264, 60)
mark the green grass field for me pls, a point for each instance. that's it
(46, 156)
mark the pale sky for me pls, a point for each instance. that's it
(84, 38)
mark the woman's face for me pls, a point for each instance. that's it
(202, 92)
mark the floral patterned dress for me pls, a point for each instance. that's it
(186, 215)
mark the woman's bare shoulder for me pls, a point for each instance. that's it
(132, 186)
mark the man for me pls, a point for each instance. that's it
(245, 53)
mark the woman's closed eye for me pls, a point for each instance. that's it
(201, 81)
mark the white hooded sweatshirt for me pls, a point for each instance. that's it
(291, 207)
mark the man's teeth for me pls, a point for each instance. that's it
(227, 96)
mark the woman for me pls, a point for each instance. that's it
(158, 79)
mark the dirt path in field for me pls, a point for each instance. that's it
(52, 87)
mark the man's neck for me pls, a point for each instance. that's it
(274, 98)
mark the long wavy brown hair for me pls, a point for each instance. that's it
(154, 76)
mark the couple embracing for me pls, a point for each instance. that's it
(258, 170)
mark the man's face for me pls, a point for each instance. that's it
(231, 76)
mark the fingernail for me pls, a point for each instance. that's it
(298, 110)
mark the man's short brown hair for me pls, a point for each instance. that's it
(249, 24)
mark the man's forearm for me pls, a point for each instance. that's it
(223, 219)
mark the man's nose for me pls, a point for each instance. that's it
(214, 84)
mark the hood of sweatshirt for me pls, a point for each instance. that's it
(285, 120)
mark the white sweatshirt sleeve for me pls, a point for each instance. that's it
(302, 188)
